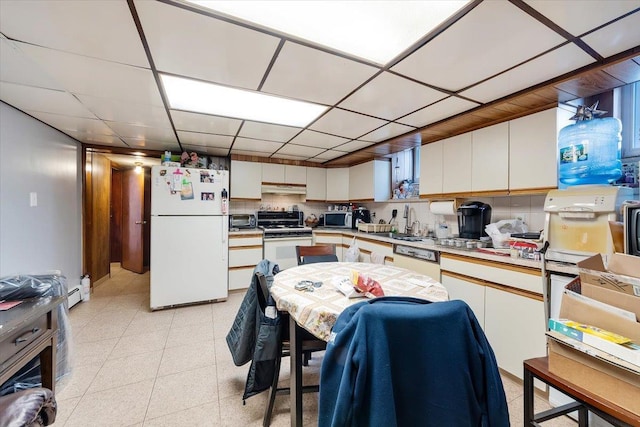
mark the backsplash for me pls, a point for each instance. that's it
(527, 208)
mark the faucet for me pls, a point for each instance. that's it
(407, 217)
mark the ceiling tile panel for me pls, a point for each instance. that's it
(346, 124)
(268, 131)
(205, 139)
(103, 79)
(92, 138)
(387, 132)
(578, 18)
(316, 139)
(304, 73)
(545, 67)
(19, 68)
(299, 150)
(289, 157)
(493, 37)
(195, 45)
(126, 130)
(212, 151)
(617, 37)
(149, 144)
(76, 124)
(250, 153)
(389, 96)
(195, 122)
(43, 100)
(354, 145)
(328, 155)
(76, 26)
(126, 112)
(446, 108)
(254, 145)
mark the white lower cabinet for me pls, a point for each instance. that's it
(245, 252)
(468, 290)
(506, 302)
(514, 326)
(334, 238)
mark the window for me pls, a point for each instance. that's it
(630, 118)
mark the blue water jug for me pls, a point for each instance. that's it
(589, 152)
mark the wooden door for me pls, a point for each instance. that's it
(133, 221)
(116, 215)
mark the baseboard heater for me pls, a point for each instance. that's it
(75, 295)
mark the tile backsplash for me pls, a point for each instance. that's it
(528, 208)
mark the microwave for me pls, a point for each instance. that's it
(338, 219)
(631, 221)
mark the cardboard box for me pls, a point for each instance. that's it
(601, 378)
(578, 310)
(621, 275)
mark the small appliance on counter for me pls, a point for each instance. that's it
(360, 215)
(242, 221)
(473, 217)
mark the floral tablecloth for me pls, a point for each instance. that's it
(317, 311)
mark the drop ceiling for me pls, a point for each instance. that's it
(91, 70)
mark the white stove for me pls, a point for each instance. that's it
(283, 231)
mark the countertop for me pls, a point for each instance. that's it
(552, 266)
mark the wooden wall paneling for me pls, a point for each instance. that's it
(100, 196)
(116, 216)
(147, 217)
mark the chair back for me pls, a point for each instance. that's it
(316, 253)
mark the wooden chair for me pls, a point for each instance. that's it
(310, 344)
(316, 253)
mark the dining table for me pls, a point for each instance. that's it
(319, 303)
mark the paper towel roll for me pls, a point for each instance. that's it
(443, 208)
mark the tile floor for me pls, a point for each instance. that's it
(134, 367)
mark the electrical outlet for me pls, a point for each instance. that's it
(522, 216)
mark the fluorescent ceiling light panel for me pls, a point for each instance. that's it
(374, 30)
(208, 98)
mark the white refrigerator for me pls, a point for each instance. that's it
(189, 235)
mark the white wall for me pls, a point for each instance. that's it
(37, 158)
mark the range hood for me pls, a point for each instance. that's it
(284, 188)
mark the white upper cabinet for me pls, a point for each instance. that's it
(490, 158)
(284, 174)
(317, 184)
(273, 172)
(533, 147)
(370, 181)
(295, 174)
(431, 168)
(456, 156)
(338, 184)
(246, 180)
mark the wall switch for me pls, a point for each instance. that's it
(33, 199)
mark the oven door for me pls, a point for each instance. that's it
(282, 250)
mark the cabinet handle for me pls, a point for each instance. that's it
(25, 337)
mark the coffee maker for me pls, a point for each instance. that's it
(360, 215)
(473, 217)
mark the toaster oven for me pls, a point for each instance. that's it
(242, 221)
(631, 221)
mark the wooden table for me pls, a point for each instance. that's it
(28, 330)
(318, 311)
(586, 401)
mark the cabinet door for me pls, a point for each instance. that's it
(471, 292)
(533, 146)
(316, 184)
(295, 174)
(361, 181)
(514, 326)
(431, 168)
(273, 172)
(338, 184)
(456, 159)
(490, 158)
(246, 180)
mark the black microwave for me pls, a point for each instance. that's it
(631, 220)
